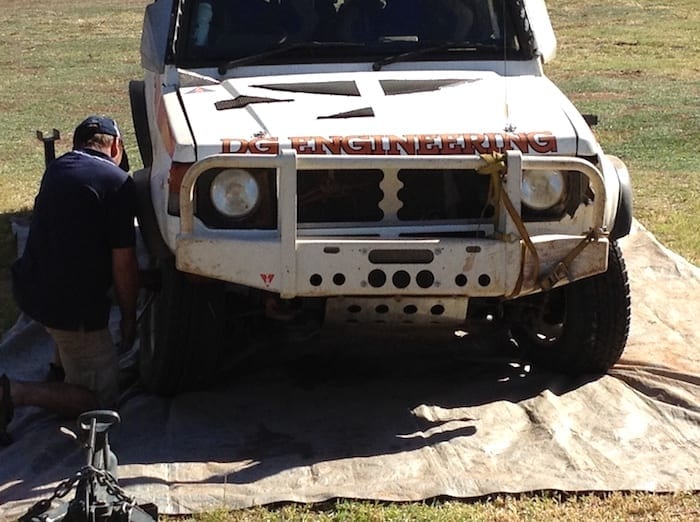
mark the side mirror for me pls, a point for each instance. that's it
(154, 37)
(542, 29)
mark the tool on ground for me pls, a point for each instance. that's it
(49, 144)
(98, 496)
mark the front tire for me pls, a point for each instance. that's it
(182, 333)
(580, 328)
(139, 116)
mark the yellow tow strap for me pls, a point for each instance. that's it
(562, 269)
(496, 168)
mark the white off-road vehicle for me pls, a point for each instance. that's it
(402, 163)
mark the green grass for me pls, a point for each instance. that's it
(634, 63)
(76, 61)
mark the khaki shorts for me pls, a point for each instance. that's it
(89, 360)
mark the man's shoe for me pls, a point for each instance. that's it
(7, 410)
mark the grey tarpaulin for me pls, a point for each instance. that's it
(395, 420)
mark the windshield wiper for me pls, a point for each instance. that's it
(268, 53)
(444, 46)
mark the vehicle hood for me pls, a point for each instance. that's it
(385, 113)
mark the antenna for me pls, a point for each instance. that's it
(509, 127)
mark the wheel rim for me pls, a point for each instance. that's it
(545, 322)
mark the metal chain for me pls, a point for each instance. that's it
(104, 478)
(60, 491)
(66, 486)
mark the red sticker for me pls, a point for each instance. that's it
(267, 278)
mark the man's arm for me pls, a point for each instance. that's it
(125, 274)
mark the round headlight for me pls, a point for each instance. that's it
(234, 192)
(542, 189)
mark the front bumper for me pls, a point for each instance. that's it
(290, 262)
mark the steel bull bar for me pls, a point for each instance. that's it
(283, 261)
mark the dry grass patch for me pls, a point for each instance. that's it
(543, 507)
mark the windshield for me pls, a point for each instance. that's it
(216, 32)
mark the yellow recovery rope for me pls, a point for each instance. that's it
(496, 168)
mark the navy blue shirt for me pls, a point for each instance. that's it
(85, 207)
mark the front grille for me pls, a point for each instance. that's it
(443, 195)
(393, 197)
(336, 196)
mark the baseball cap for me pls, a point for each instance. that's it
(96, 124)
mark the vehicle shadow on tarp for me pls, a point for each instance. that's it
(342, 401)
(297, 406)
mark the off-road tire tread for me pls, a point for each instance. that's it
(189, 334)
(597, 324)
